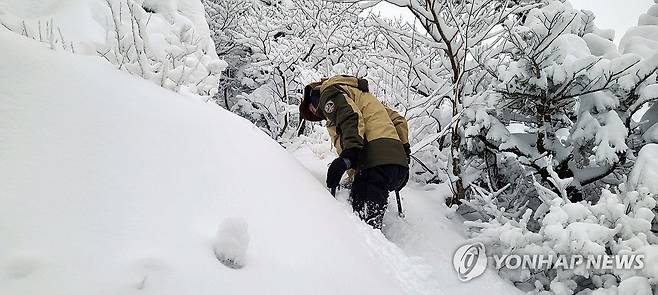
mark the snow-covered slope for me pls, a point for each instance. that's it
(110, 184)
(430, 232)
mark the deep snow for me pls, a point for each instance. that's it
(430, 232)
(112, 185)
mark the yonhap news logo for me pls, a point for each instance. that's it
(470, 261)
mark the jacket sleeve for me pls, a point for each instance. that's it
(400, 123)
(343, 113)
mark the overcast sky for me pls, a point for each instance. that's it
(610, 14)
(619, 15)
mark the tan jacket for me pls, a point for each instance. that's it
(356, 119)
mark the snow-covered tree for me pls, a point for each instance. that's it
(404, 72)
(281, 46)
(642, 40)
(560, 113)
(459, 30)
(571, 96)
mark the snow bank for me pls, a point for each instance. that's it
(112, 185)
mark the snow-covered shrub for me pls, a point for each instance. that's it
(161, 47)
(225, 18)
(620, 223)
(643, 40)
(167, 42)
(561, 115)
(44, 30)
(562, 103)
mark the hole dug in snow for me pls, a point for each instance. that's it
(231, 242)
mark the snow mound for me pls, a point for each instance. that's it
(113, 185)
(232, 242)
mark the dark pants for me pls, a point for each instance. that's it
(370, 191)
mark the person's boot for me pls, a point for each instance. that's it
(374, 214)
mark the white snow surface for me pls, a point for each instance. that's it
(112, 185)
(430, 232)
(645, 171)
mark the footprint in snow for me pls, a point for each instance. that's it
(148, 268)
(231, 242)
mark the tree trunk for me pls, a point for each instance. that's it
(226, 99)
(455, 150)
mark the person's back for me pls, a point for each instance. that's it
(368, 136)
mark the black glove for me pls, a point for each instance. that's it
(348, 159)
(352, 155)
(336, 171)
(407, 150)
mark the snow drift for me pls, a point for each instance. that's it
(110, 184)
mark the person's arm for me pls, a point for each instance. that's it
(400, 123)
(343, 113)
(402, 128)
